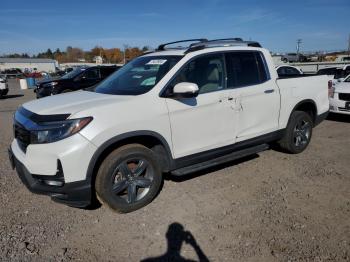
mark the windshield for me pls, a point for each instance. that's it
(138, 76)
(73, 73)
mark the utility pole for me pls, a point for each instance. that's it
(299, 41)
(349, 46)
(124, 57)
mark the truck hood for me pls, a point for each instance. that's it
(342, 87)
(45, 81)
(71, 103)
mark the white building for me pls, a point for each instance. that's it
(29, 64)
(98, 60)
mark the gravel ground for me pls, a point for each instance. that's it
(268, 207)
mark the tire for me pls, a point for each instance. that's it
(298, 133)
(129, 178)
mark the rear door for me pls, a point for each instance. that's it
(107, 71)
(258, 99)
(90, 77)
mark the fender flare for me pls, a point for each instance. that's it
(94, 159)
(300, 103)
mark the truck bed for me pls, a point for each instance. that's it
(296, 89)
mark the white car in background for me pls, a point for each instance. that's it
(287, 70)
(340, 97)
(3, 86)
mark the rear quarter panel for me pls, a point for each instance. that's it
(295, 90)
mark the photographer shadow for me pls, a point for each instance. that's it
(176, 236)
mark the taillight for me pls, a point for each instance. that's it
(330, 89)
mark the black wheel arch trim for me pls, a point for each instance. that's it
(129, 135)
(305, 101)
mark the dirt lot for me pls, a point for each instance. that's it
(268, 207)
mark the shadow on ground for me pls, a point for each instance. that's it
(11, 96)
(339, 118)
(206, 171)
(176, 236)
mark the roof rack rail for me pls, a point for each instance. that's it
(228, 39)
(199, 40)
(221, 42)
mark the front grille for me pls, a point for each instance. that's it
(22, 135)
(344, 96)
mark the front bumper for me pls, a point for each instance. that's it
(76, 194)
(339, 106)
(42, 91)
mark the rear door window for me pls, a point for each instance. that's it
(245, 69)
(92, 73)
(107, 71)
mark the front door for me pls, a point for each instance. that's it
(208, 120)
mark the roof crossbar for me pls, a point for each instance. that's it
(228, 39)
(201, 43)
(199, 40)
(220, 43)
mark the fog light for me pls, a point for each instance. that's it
(53, 183)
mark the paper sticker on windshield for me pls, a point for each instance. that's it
(156, 62)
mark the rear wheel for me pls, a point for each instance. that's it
(129, 178)
(298, 133)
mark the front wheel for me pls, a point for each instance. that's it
(129, 178)
(298, 133)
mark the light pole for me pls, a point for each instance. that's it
(349, 46)
(298, 45)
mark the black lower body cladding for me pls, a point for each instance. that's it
(75, 194)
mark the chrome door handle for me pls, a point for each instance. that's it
(268, 91)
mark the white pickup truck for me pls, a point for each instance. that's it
(174, 110)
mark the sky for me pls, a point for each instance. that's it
(34, 26)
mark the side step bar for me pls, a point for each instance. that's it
(220, 160)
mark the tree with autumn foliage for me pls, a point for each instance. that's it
(113, 55)
(76, 54)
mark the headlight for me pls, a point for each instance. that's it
(55, 131)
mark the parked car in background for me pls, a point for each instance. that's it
(288, 71)
(33, 75)
(3, 86)
(293, 57)
(173, 110)
(336, 74)
(76, 79)
(12, 73)
(340, 97)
